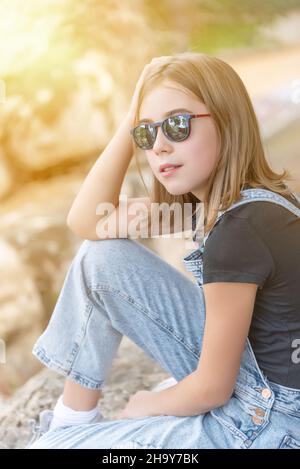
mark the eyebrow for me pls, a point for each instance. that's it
(169, 113)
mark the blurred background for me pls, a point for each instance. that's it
(68, 69)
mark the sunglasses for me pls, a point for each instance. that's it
(175, 128)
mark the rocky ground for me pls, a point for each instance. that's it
(132, 370)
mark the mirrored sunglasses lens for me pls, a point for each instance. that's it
(177, 127)
(144, 136)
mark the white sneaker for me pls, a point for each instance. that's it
(166, 383)
(39, 428)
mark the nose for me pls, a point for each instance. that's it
(161, 142)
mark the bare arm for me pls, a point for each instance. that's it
(229, 308)
(103, 182)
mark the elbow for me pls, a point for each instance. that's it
(213, 393)
(80, 231)
(69, 222)
(222, 394)
(72, 225)
(217, 401)
(222, 400)
(222, 397)
(215, 398)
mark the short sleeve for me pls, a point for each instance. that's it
(234, 252)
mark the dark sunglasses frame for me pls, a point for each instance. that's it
(163, 123)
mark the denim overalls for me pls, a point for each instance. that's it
(120, 287)
(259, 395)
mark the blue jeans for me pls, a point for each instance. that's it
(119, 287)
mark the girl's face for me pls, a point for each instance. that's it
(197, 154)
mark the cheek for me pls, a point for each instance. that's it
(205, 150)
(150, 160)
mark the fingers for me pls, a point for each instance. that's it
(155, 61)
(161, 59)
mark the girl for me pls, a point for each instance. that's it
(230, 340)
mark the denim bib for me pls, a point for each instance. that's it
(248, 411)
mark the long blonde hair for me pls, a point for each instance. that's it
(242, 158)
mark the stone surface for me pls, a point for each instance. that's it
(36, 249)
(132, 370)
(21, 317)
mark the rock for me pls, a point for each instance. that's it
(132, 370)
(6, 180)
(45, 146)
(21, 317)
(67, 111)
(19, 307)
(38, 393)
(36, 248)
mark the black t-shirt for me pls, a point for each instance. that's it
(259, 242)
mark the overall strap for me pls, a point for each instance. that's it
(259, 195)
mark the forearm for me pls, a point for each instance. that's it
(186, 398)
(103, 182)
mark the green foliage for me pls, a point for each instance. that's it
(211, 25)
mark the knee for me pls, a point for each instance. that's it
(107, 252)
(104, 247)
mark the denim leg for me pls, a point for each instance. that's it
(120, 287)
(162, 431)
(116, 287)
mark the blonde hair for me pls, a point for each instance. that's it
(242, 158)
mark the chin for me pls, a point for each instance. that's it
(176, 191)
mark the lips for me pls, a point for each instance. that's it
(170, 170)
(168, 166)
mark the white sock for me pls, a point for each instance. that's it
(64, 415)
